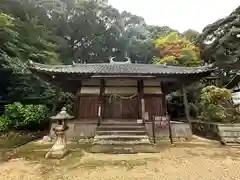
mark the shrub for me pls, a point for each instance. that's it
(5, 123)
(216, 105)
(26, 116)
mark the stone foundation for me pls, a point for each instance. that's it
(86, 130)
(229, 133)
(226, 133)
(180, 130)
(78, 129)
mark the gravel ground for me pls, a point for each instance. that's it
(197, 161)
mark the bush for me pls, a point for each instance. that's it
(24, 116)
(216, 105)
(5, 123)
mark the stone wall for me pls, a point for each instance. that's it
(226, 133)
(179, 130)
(86, 129)
(78, 129)
(229, 133)
(206, 129)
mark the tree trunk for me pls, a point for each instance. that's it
(186, 106)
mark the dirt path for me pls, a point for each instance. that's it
(174, 163)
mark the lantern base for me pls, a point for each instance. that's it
(57, 152)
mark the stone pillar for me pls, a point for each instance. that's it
(59, 149)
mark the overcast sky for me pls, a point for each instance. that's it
(178, 14)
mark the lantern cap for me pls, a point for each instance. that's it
(62, 115)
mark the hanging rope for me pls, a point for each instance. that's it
(113, 97)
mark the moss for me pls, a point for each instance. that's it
(12, 140)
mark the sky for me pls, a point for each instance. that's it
(178, 14)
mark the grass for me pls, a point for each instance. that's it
(36, 152)
(15, 139)
(9, 142)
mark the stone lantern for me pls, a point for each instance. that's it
(59, 149)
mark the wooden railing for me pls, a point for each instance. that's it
(154, 122)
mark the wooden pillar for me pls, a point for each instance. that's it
(186, 105)
(164, 92)
(139, 99)
(76, 100)
(164, 102)
(141, 105)
(101, 98)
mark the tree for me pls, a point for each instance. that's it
(134, 40)
(220, 43)
(62, 31)
(176, 50)
(21, 41)
(191, 35)
(216, 105)
(156, 32)
(86, 31)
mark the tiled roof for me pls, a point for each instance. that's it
(117, 69)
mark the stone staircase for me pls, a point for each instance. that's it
(120, 136)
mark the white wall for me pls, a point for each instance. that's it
(90, 90)
(121, 82)
(91, 82)
(152, 90)
(148, 89)
(121, 90)
(151, 83)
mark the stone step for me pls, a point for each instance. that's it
(124, 137)
(124, 149)
(120, 120)
(121, 124)
(120, 127)
(122, 132)
(121, 142)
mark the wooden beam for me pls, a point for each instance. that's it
(186, 105)
(141, 99)
(164, 102)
